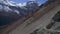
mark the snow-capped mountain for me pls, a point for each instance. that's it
(10, 11)
(31, 5)
(21, 8)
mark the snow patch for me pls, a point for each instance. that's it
(21, 4)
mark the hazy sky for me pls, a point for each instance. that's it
(22, 1)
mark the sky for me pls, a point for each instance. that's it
(23, 1)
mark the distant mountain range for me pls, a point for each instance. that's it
(10, 12)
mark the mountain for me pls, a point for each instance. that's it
(10, 11)
(31, 5)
